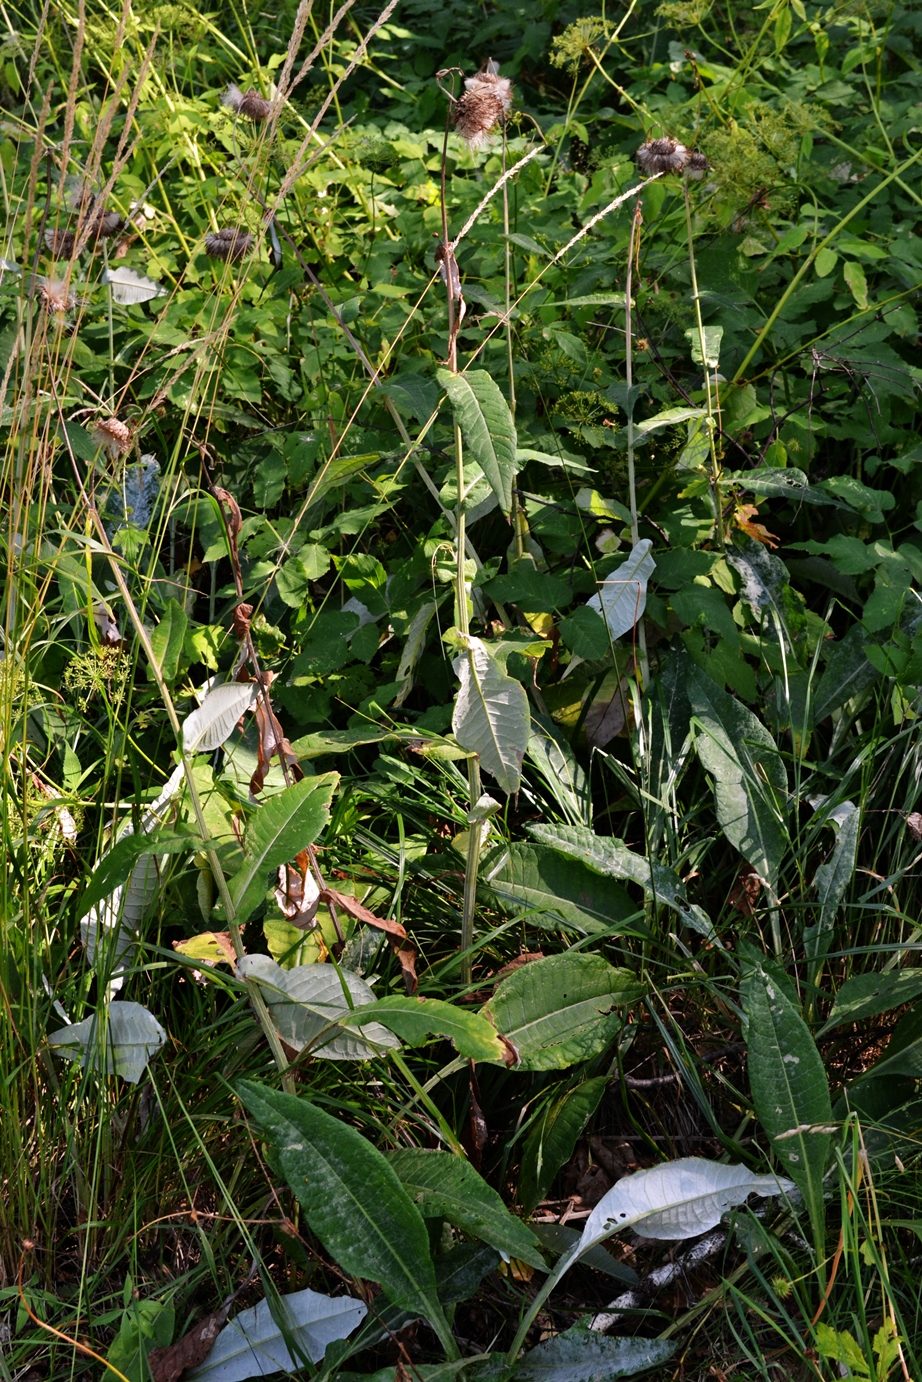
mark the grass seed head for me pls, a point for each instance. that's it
(228, 243)
(247, 103)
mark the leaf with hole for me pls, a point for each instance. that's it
(680, 1199)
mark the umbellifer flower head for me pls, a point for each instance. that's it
(483, 105)
(113, 436)
(248, 103)
(229, 243)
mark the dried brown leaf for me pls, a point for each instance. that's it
(169, 1364)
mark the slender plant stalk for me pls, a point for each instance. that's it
(712, 400)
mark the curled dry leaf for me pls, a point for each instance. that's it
(169, 1364)
(356, 909)
(272, 741)
(298, 892)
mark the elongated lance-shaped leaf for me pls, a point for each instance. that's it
(789, 1087)
(280, 829)
(491, 716)
(580, 1355)
(623, 596)
(750, 782)
(487, 427)
(833, 878)
(213, 722)
(352, 1200)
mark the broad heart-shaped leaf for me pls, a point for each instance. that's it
(788, 1082)
(679, 1199)
(623, 596)
(491, 716)
(553, 890)
(119, 1040)
(868, 995)
(750, 782)
(487, 427)
(213, 722)
(611, 857)
(307, 1003)
(562, 1009)
(581, 1355)
(253, 1344)
(446, 1186)
(415, 1019)
(352, 1200)
(550, 1142)
(279, 829)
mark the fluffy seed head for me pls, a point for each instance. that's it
(107, 223)
(697, 166)
(113, 436)
(229, 243)
(60, 242)
(56, 295)
(483, 105)
(662, 156)
(247, 103)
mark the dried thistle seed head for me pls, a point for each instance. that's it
(483, 105)
(56, 296)
(697, 166)
(229, 243)
(106, 223)
(60, 242)
(113, 436)
(247, 103)
(662, 156)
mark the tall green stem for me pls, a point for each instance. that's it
(712, 399)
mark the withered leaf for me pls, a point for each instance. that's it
(354, 908)
(169, 1364)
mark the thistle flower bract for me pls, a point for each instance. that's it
(113, 436)
(667, 155)
(229, 243)
(248, 103)
(483, 105)
(56, 296)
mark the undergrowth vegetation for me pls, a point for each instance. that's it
(460, 680)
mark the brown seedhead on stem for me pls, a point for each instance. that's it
(483, 106)
(229, 243)
(667, 155)
(113, 436)
(247, 103)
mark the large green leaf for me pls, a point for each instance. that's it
(415, 1019)
(487, 427)
(581, 1355)
(868, 995)
(352, 1199)
(281, 827)
(446, 1186)
(833, 877)
(750, 782)
(491, 716)
(310, 1003)
(252, 1344)
(553, 890)
(611, 857)
(119, 1040)
(562, 1009)
(551, 1140)
(788, 1082)
(903, 1055)
(623, 596)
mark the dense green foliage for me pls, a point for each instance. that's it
(459, 689)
